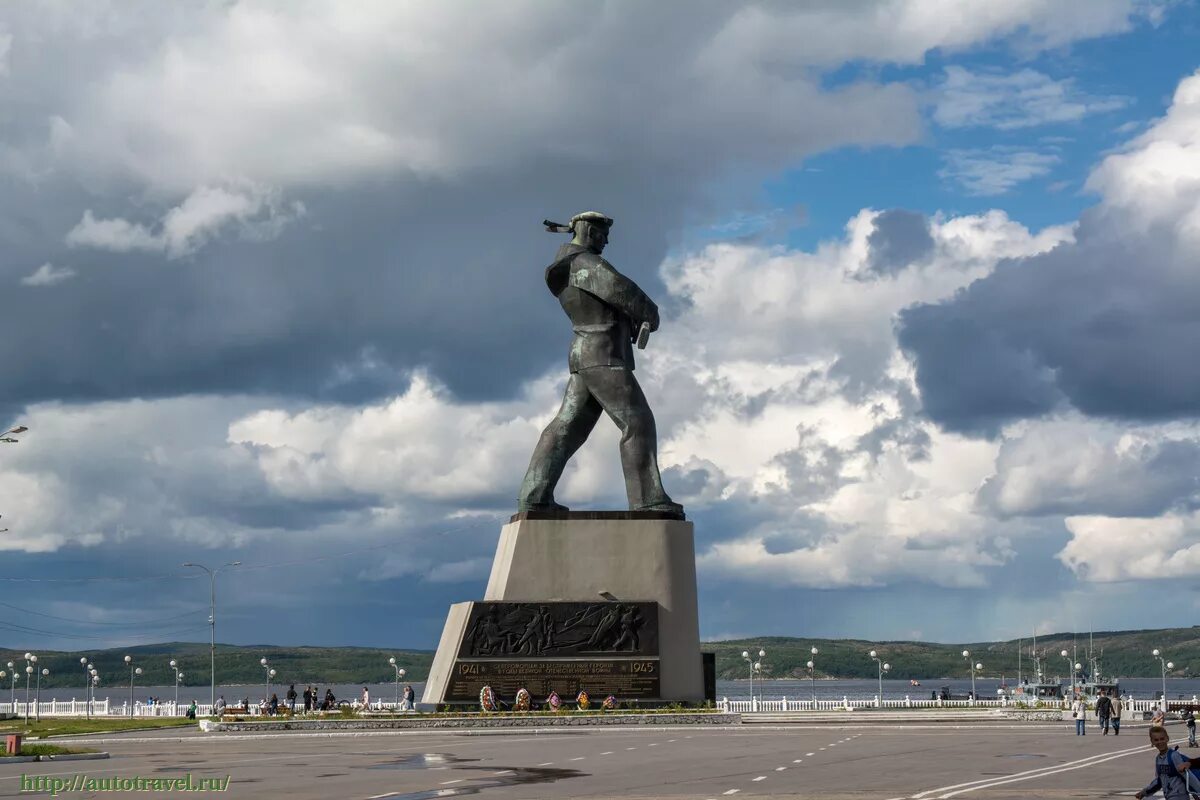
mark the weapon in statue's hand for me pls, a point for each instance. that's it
(556, 227)
(643, 336)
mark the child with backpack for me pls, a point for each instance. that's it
(1172, 770)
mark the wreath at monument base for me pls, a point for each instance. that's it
(553, 702)
(523, 700)
(583, 701)
(609, 704)
(487, 699)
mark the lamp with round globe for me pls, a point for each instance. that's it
(175, 666)
(1166, 665)
(37, 703)
(883, 667)
(12, 699)
(132, 672)
(30, 660)
(91, 684)
(1070, 666)
(28, 676)
(400, 673)
(812, 676)
(83, 662)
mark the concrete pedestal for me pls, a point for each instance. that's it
(594, 557)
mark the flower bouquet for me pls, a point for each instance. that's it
(553, 701)
(583, 701)
(522, 701)
(609, 704)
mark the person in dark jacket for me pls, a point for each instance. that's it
(1103, 711)
(291, 698)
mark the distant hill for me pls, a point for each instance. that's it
(1125, 654)
(236, 664)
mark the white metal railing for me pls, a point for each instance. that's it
(108, 708)
(783, 704)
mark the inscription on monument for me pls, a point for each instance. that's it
(625, 678)
(559, 630)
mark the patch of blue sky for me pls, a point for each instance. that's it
(1029, 158)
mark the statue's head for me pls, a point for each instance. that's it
(591, 230)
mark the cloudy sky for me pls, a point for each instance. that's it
(272, 286)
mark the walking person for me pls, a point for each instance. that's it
(1118, 705)
(1079, 711)
(1103, 711)
(291, 698)
(307, 699)
(366, 699)
(1189, 718)
(407, 701)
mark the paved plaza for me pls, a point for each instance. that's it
(915, 762)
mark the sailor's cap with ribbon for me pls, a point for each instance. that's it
(594, 217)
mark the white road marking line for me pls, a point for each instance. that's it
(546, 764)
(503, 772)
(761, 778)
(731, 791)
(653, 744)
(456, 780)
(780, 769)
(631, 748)
(798, 760)
(607, 753)
(810, 754)
(579, 758)
(378, 796)
(947, 791)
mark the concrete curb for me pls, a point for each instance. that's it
(451, 723)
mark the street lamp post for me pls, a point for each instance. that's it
(30, 660)
(83, 662)
(1166, 665)
(974, 666)
(132, 671)
(175, 667)
(750, 663)
(212, 623)
(4, 675)
(12, 696)
(37, 702)
(1071, 667)
(270, 674)
(93, 679)
(883, 667)
(399, 674)
(812, 676)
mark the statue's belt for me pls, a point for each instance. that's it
(602, 327)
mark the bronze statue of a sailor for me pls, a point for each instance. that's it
(608, 314)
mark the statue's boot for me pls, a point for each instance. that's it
(667, 506)
(551, 506)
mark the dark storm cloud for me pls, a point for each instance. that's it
(369, 285)
(899, 239)
(1107, 324)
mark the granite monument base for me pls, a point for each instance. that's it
(599, 601)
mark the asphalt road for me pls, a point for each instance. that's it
(913, 762)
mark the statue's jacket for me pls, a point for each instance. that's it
(605, 308)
